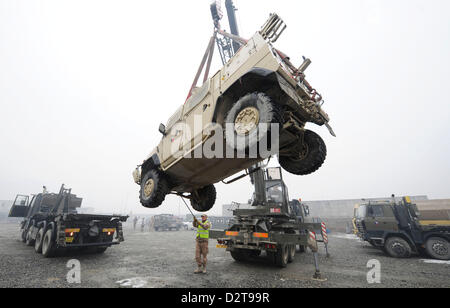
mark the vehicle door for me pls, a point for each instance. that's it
(172, 144)
(20, 206)
(198, 113)
(381, 218)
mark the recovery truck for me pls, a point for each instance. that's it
(51, 223)
(402, 228)
(166, 222)
(271, 224)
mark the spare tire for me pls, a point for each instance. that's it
(307, 159)
(154, 189)
(204, 199)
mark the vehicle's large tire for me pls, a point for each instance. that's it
(291, 256)
(23, 236)
(154, 189)
(48, 244)
(204, 199)
(438, 248)
(39, 241)
(310, 159)
(29, 241)
(242, 132)
(397, 247)
(282, 256)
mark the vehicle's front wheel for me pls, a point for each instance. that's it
(438, 248)
(29, 240)
(48, 244)
(306, 158)
(397, 247)
(39, 241)
(154, 189)
(203, 200)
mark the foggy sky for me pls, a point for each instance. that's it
(85, 84)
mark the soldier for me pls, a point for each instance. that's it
(202, 240)
(143, 224)
(135, 221)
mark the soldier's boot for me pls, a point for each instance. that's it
(198, 270)
(204, 269)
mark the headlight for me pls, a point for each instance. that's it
(137, 176)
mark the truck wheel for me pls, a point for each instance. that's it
(154, 188)
(397, 247)
(438, 248)
(242, 129)
(204, 199)
(308, 159)
(39, 241)
(291, 254)
(282, 256)
(29, 240)
(48, 244)
(23, 236)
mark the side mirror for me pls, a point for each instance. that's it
(162, 129)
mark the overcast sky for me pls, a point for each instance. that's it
(85, 84)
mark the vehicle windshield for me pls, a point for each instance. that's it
(275, 192)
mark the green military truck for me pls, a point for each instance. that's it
(403, 228)
(51, 223)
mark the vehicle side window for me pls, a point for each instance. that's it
(376, 211)
(175, 118)
(197, 97)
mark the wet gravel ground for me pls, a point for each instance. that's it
(166, 259)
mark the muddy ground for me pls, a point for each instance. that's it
(166, 259)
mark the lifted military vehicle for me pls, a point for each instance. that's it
(51, 223)
(272, 223)
(167, 222)
(400, 228)
(257, 85)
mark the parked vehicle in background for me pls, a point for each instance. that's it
(51, 224)
(403, 228)
(167, 222)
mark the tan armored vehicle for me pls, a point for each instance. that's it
(258, 85)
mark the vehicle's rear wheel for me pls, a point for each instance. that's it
(282, 256)
(308, 158)
(397, 247)
(438, 248)
(48, 244)
(243, 130)
(154, 189)
(204, 199)
(39, 241)
(292, 250)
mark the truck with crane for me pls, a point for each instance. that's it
(51, 224)
(272, 223)
(259, 96)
